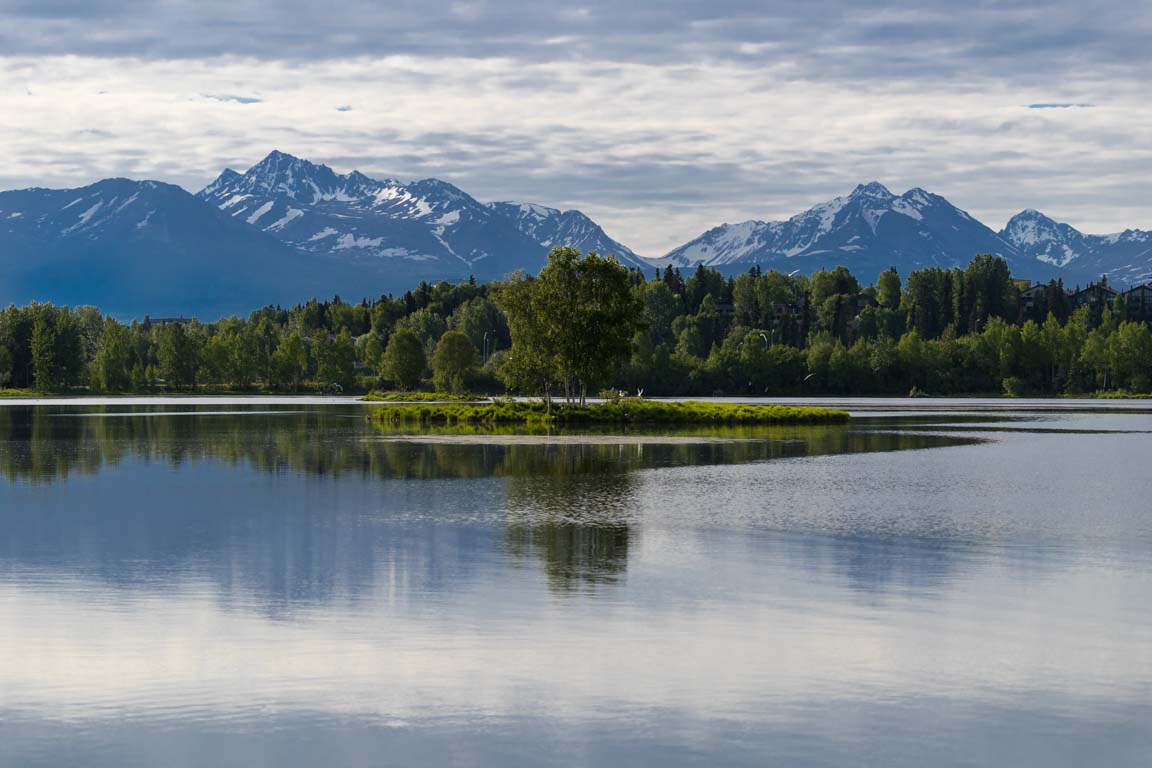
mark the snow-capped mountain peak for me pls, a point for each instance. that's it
(1030, 228)
(1062, 245)
(869, 229)
(1045, 239)
(430, 226)
(873, 190)
(552, 227)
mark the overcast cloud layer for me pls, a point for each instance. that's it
(659, 120)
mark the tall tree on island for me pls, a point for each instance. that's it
(573, 325)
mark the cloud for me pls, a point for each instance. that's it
(232, 98)
(873, 39)
(660, 120)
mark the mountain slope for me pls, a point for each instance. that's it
(867, 231)
(550, 227)
(142, 247)
(396, 232)
(1126, 257)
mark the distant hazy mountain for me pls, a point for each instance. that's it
(141, 247)
(550, 227)
(1126, 257)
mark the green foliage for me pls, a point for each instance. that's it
(586, 322)
(114, 359)
(289, 362)
(404, 360)
(888, 289)
(421, 397)
(620, 411)
(482, 322)
(44, 353)
(1013, 386)
(453, 362)
(336, 359)
(178, 354)
(5, 366)
(572, 325)
(17, 393)
(427, 326)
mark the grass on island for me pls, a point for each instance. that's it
(14, 393)
(375, 396)
(1114, 395)
(626, 411)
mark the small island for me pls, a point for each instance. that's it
(624, 411)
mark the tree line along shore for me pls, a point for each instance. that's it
(586, 325)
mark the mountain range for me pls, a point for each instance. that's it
(288, 229)
(872, 229)
(428, 229)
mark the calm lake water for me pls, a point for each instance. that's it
(279, 584)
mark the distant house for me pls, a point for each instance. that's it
(780, 311)
(1138, 302)
(1033, 295)
(1096, 295)
(150, 321)
(1022, 284)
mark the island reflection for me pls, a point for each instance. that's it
(46, 445)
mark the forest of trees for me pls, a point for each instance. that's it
(587, 323)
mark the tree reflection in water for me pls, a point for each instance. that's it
(567, 499)
(44, 444)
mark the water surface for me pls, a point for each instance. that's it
(278, 583)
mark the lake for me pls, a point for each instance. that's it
(251, 582)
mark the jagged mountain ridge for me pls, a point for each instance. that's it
(551, 227)
(287, 230)
(426, 229)
(1126, 257)
(867, 230)
(872, 229)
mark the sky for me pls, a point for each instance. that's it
(658, 119)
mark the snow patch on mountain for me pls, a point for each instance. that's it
(293, 213)
(355, 216)
(868, 229)
(1061, 245)
(347, 241)
(259, 213)
(552, 227)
